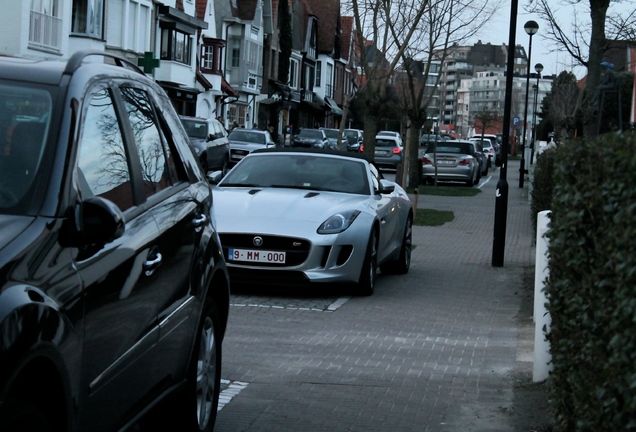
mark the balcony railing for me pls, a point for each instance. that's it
(45, 31)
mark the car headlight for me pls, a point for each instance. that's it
(338, 223)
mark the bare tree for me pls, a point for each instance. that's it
(586, 40)
(446, 23)
(379, 53)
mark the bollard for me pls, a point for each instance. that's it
(542, 357)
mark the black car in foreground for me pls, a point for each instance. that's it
(114, 293)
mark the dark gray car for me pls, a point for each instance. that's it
(315, 138)
(209, 139)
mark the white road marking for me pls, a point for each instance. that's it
(233, 390)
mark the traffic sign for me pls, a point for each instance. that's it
(516, 121)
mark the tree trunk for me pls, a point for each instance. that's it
(598, 14)
(413, 145)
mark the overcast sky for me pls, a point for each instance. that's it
(497, 33)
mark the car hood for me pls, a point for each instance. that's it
(244, 145)
(11, 226)
(288, 211)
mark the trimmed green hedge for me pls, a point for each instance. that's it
(542, 184)
(591, 289)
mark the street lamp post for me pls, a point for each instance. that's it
(531, 27)
(538, 69)
(501, 194)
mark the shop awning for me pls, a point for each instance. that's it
(333, 106)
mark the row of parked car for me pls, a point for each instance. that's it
(464, 161)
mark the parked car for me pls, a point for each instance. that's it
(390, 133)
(427, 138)
(355, 138)
(332, 137)
(114, 294)
(310, 138)
(495, 140)
(487, 148)
(480, 156)
(210, 142)
(389, 152)
(244, 141)
(312, 216)
(455, 162)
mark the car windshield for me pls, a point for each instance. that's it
(24, 122)
(300, 171)
(331, 133)
(195, 128)
(247, 136)
(309, 133)
(381, 142)
(426, 138)
(450, 147)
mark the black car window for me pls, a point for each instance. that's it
(155, 171)
(247, 136)
(308, 133)
(102, 157)
(331, 133)
(448, 147)
(195, 128)
(385, 143)
(24, 121)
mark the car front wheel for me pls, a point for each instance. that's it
(368, 274)
(403, 263)
(194, 407)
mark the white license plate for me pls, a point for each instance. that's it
(250, 255)
(237, 156)
(444, 162)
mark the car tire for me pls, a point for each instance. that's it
(403, 263)
(368, 274)
(194, 406)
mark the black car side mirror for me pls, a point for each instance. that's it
(96, 222)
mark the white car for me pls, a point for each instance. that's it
(243, 141)
(487, 148)
(289, 217)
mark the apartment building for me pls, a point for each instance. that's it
(465, 63)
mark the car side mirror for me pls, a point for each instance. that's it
(215, 177)
(96, 221)
(385, 187)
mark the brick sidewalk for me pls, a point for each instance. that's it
(434, 350)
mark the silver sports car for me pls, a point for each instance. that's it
(293, 216)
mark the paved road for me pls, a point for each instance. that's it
(435, 350)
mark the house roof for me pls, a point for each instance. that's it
(328, 13)
(243, 9)
(346, 24)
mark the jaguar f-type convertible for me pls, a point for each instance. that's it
(290, 217)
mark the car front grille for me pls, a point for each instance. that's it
(296, 250)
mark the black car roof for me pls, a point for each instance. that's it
(43, 71)
(47, 71)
